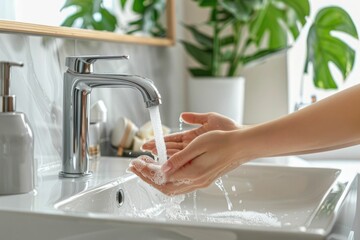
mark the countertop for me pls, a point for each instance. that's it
(51, 189)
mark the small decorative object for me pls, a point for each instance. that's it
(127, 138)
(17, 172)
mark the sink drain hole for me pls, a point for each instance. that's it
(120, 198)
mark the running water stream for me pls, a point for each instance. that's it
(220, 185)
(158, 132)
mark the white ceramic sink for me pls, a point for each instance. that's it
(253, 202)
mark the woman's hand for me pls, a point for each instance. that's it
(202, 161)
(202, 155)
(207, 121)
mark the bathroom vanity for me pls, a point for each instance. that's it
(266, 202)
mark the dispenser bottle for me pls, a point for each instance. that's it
(16, 141)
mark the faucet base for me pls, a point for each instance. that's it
(74, 175)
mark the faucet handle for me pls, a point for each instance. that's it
(84, 64)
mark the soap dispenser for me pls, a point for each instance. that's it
(16, 141)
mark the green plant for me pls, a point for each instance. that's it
(148, 20)
(91, 14)
(244, 31)
(323, 47)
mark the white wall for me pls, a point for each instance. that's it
(39, 11)
(266, 90)
(7, 10)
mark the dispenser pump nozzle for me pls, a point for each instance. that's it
(7, 101)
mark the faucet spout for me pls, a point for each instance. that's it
(76, 104)
(144, 85)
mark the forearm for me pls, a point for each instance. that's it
(328, 124)
(316, 150)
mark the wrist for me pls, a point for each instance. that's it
(244, 145)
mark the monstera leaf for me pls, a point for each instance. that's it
(276, 18)
(85, 12)
(323, 47)
(241, 10)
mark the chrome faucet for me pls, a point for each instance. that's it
(79, 80)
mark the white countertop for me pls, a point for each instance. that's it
(51, 189)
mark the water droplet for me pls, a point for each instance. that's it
(220, 185)
(302, 229)
(181, 122)
(195, 206)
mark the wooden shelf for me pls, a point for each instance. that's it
(66, 32)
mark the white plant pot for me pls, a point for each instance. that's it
(221, 95)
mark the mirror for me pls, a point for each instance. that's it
(46, 17)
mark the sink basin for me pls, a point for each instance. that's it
(253, 202)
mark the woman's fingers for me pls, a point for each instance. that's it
(197, 165)
(148, 146)
(175, 145)
(151, 171)
(169, 152)
(170, 146)
(147, 159)
(176, 138)
(181, 158)
(186, 179)
(168, 189)
(145, 179)
(172, 188)
(195, 118)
